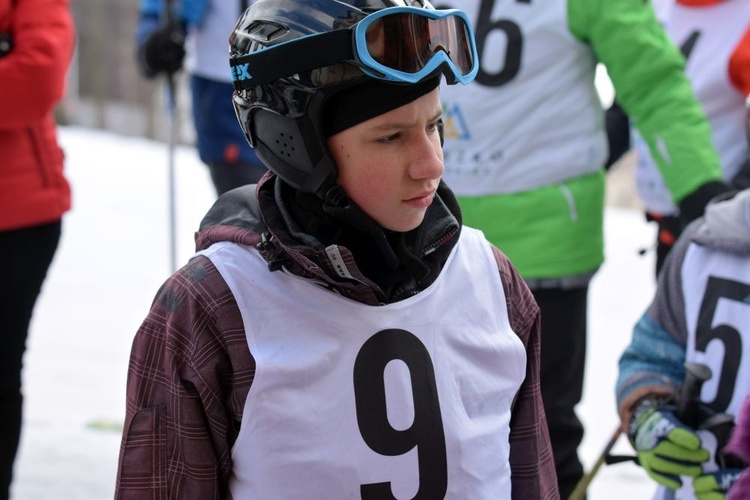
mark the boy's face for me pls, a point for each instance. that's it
(390, 165)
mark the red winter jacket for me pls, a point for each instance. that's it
(33, 189)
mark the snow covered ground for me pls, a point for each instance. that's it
(115, 254)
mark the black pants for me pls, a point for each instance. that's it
(226, 176)
(25, 256)
(562, 366)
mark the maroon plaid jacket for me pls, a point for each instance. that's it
(190, 370)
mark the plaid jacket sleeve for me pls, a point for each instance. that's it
(531, 461)
(188, 378)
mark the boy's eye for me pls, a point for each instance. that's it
(389, 139)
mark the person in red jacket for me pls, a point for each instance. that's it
(37, 38)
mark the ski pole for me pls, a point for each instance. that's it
(580, 490)
(171, 174)
(171, 144)
(695, 375)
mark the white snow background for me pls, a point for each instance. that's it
(114, 255)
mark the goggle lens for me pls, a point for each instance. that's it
(407, 42)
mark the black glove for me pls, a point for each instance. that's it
(741, 179)
(6, 44)
(162, 52)
(693, 205)
(618, 133)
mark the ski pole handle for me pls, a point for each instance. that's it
(687, 405)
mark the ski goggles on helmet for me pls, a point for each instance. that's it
(396, 44)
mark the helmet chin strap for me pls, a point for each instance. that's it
(335, 196)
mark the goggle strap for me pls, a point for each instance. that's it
(287, 59)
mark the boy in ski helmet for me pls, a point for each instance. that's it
(339, 334)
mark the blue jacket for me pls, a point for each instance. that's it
(219, 137)
(192, 12)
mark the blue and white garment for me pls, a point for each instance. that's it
(496, 140)
(219, 138)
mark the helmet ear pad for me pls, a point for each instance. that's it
(290, 144)
(295, 149)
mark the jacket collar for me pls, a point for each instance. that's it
(326, 241)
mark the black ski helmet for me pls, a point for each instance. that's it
(282, 119)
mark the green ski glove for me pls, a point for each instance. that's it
(715, 486)
(666, 448)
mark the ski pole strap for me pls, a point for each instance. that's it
(618, 459)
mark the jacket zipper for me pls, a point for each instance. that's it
(38, 155)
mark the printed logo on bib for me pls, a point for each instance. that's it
(456, 126)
